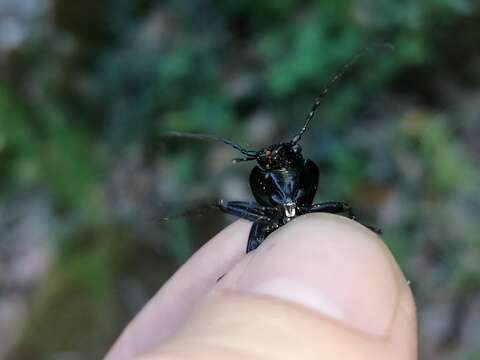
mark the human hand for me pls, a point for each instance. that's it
(321, 287)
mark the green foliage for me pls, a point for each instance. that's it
(46, 150)
(18, 149)
(451, 167)
(68, 164)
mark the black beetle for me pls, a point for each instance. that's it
(283, 182)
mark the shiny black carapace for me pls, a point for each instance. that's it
(283, 182)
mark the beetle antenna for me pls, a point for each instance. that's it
(250, 154)
(332, 82)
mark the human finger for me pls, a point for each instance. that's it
(322, 286)
(174, 302)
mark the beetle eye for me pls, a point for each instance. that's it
(296, 148)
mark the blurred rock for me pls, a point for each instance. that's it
(27, 250)
(13, 313)
(17, 20)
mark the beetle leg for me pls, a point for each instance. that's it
(259, 231)
(376, 230)
(245, 210)
(335, 207)
(262, 217)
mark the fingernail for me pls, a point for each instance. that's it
(293, 290)
(327, 263)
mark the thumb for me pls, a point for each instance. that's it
(320, 287)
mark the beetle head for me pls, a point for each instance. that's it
(280, 156)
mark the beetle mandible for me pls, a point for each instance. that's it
(283, 182)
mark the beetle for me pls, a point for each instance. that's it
(283, 182)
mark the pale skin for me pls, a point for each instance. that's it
(321, 287)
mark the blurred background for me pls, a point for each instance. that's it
(87, 88)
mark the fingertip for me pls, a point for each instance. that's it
(320, 287)
(329, 263)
